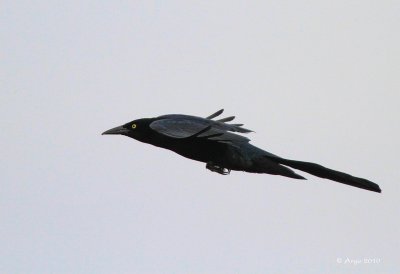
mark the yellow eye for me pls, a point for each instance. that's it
(133, 126)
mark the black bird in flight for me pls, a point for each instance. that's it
(212, 142)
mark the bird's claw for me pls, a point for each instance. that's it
(214, 168)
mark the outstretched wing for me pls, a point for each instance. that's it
(185, 126)
(232, 127)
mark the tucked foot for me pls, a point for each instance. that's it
(214, 168)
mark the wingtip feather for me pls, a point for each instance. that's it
(219, 112)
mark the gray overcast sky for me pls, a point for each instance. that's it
(317, 81)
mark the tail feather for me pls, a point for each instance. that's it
(323, 172)
(268, 165)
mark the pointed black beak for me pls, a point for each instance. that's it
(117, 130)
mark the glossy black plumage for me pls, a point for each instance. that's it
(215, 143)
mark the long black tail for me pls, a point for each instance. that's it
(330, 174)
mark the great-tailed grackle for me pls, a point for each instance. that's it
(212, 142)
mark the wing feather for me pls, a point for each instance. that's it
(185, 126)
(227, 119)
(218, 113)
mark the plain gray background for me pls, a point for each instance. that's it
(317, 81)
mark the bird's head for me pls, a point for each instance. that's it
(137, 129)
